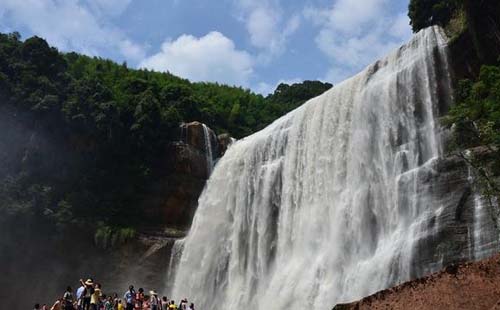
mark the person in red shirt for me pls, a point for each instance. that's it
(139, 299)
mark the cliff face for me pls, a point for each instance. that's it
(475, 37)
(465, 224)
(468, 223)
(173, 199)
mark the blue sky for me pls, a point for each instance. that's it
(251, 43)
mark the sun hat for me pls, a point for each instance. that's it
(89, 282)
(153, 292)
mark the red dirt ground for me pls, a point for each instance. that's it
(467, 286)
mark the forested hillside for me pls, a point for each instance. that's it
(83, 138)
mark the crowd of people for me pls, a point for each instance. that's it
(89, 296)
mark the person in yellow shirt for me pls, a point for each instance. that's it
(172, 305)
(95, 298)
(120, 305)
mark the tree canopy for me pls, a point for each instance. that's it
(425, 13)
(83, 137)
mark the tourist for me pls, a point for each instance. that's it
(87, 293)
(80, 292)
(153, 301)
(130, 298)
(164, 303)
(68, 298)
(57, 305)
(108, 305)
(172, 305)
(139, 299)
(119, 305)
(89, 296)
(95, 297)
(183, 304)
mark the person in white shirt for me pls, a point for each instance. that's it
(153, 301)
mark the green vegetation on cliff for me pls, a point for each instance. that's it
(82, 139)
(476, 22)
(474, 29)
(425, 13)
(476, 118)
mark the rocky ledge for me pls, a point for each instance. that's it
(465, 286)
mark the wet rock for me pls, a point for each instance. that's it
(225, 140)
(200, 137)
(173, 199)
(449, 237)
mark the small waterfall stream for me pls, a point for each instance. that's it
(483, 241)
(208, 149)
(175, 257)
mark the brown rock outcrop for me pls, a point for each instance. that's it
(173, 199)
(468, 286)
(225, 140)
(195, 134)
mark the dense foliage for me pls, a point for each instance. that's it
(476, 118)
(425, 13)
(82, 138)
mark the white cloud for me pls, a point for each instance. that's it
(212, 57)
(109, 7)
(400, 27)
(354, 51)
(355, 33)
(262, 25)
(71, 25)
(131, 50)
(268, 28)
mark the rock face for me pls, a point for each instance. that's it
(189, 162)
(468, 286)
(465, 225)
(464, 228)
(225, 141)
(477, 41)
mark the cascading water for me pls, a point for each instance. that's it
(175, 257)
(324, 205)
(484, 243)
(208, 149)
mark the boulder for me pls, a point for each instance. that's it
(224, 141)
(200, 137)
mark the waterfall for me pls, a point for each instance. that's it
(175, 257)
(325, 205)
(208, 149)
(484, 242)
